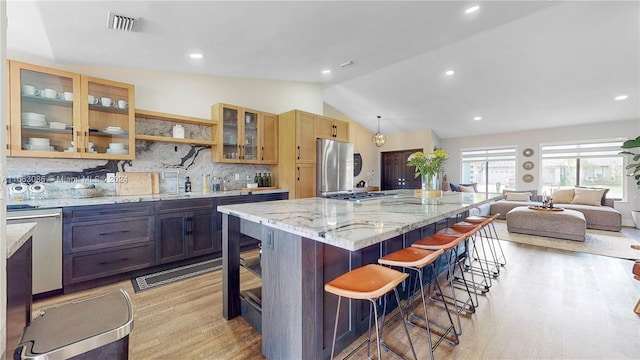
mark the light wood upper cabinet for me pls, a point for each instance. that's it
(328, 128)
(269, 139)
(51, 115)
(305, 137)
(296, 166)
(109, 124)
(244, 135)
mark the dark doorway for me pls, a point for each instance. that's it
(395, 173)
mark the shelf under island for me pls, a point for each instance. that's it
(308, 242)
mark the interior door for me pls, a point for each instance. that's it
(395, 173)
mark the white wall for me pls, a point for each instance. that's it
(3, 201)
(532, 139)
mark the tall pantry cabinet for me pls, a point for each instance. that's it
(296, 168)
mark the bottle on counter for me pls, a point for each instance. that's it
(216, 183)
(550, 203)
(255, 178)
(267, 183)
(187, 185)
(206, 188)
(260, 180)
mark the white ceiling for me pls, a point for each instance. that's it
(519, 64)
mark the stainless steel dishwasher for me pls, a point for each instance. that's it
(47, 246)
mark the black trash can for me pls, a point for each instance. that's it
(96, 328)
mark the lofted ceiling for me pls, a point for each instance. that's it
(518, 64)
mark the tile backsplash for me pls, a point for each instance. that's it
(61, 175)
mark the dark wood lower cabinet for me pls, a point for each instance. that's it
(105, 240)
(185, 229)
(106, 243)
(18, 295)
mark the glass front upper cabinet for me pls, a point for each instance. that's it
(238, 134)
(45, 111)
(53, 115)
(108, 120)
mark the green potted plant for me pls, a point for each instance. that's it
(634, 170)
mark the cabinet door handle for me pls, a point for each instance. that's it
(298, 173)
(262, 153)
(298, 154)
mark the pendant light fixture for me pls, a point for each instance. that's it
(378, 138)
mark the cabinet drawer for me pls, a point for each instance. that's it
(165, 206)
(93, 235)
(104, 212)
(94, 265)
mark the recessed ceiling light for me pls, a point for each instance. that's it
(195, 56)
(476, 118)
(472, 9)
(450, 72)
(325, 72)
(621, 97)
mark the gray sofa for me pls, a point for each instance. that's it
(603, 217)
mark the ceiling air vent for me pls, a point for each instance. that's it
(120, 22)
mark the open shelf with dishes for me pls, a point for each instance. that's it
(161, 132)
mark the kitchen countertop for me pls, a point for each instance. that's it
(356, 225)
(17, 235)
(103, 200)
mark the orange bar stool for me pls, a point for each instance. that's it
(369, 282)
(469, 231)
(416, 260)
(449, 244)
(491, 236)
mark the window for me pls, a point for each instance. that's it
(592, 164)
(492, 169)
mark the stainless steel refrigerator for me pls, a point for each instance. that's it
(334, 172)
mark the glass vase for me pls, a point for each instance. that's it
(430, 193)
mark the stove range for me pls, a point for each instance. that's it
(359, 196)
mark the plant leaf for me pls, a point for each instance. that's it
(633, 143)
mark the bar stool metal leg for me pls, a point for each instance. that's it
(417, 260)
(369, 282)
(449, 244)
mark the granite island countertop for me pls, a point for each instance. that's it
(356, 225)
(17, 235)
(103, 200)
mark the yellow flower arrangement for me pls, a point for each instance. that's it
(428, 164)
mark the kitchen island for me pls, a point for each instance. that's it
(308, 242)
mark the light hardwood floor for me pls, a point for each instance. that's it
(546, 304)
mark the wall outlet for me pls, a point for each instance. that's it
(237, 176)
(111, 177)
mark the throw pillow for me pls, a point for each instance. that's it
(588, 196)
(518, 196)
(604, 195)
(473, 185)
(454, 187)
(563, 196)
(464, 188)
(532, 193)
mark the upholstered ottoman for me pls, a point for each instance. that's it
(566, 224)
